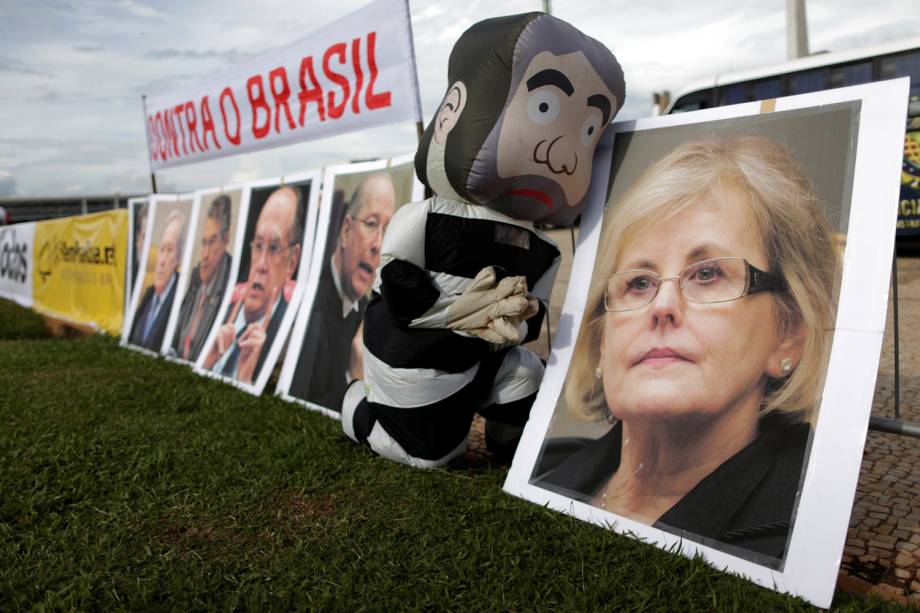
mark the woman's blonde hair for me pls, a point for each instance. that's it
(797, 241)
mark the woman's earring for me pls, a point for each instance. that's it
(598, 372)
(785, 365)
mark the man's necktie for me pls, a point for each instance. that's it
(196, 321)
(151, 318)
(230, 367)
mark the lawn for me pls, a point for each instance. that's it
(130, 482)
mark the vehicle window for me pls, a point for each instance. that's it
(687, 106)
(766, 89)
(732, 94)
(693, 102)
(906, 65)
(809, 81)
(854, 74)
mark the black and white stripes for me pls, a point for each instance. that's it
(416, 369)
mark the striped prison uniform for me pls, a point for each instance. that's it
(423, 382)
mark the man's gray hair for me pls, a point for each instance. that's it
(357, 199)
(219, 210)
(180, 244)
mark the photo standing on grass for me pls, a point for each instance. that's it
(148, 328)
(261, 298)
(209, 278)
(326, 349)
(703, 343)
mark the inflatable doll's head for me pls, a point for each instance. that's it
(528, 98)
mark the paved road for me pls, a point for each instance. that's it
(883, 544)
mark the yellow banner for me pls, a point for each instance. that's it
(79, 271)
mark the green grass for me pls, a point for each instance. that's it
(19, 323)
(129, 482)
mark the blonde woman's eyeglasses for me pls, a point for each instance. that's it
(706, 281)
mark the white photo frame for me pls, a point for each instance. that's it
(832, 458)
(286, 387)
(239, 276)
(159, 208)
(184, 268)
(132, 262)
(238, 197)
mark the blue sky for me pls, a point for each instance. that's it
(72, 72)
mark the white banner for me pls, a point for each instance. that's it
(16, 247)
(355, 73)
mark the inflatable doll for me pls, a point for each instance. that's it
(465, 276)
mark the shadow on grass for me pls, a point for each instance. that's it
(18, 323)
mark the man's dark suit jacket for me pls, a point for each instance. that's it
(319, 376)
(154, 340)
(273, 325)
(209, 312)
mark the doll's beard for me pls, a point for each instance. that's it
(527, 197)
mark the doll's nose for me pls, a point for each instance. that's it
(558, 154)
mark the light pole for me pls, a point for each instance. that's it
(796, 30)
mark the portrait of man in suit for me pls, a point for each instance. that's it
(258, 304)
(152, 314)
(207, 283)
(328, 353)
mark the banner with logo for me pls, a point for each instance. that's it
(79, 270)
(909, 208)
(355, 73)
(16, 262)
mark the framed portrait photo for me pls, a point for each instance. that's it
(138, 209)
(712, 375)
(326, 349)
(160, 268)
(210, 263)
(271, 257)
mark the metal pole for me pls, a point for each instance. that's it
(897, 348)
(419, 122)
(894, 426)
(796, 30)
(153, 176)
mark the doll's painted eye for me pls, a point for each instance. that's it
(590, 129)
(543, 106)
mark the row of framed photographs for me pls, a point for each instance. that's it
(219, 277)
(642, 390)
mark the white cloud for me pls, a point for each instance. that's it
(71, 76)
(138, 9)
(248, 169)
(7, 183)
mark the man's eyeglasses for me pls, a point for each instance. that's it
(371, 225)
(273, 248)
(207, 243)
(706, 281)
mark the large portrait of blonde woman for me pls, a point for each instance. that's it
(716, 291)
